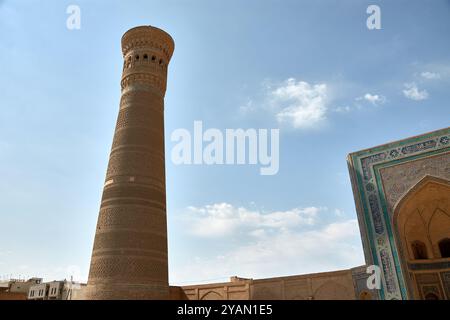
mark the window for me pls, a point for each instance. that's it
(419, 250)
(444, 248)
(136, 57)
(153, 58)
(431, 296)
(145, 57)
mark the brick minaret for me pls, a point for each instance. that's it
(129, 258)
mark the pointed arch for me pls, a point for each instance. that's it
(414, 235)
(417, 187)
(420, 220)
(212, 295)
(439, 226)
(332, 290)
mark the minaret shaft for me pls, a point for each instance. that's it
(129, 258)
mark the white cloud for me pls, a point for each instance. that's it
(223, 219)
(299, 103)
(430, 75)
(339, 212)
(258, 244)
(374, 99)
(247, 107)
(259, 233)
(412, 92)
(343, 109)
(331, 247)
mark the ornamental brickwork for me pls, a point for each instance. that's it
(129, 258)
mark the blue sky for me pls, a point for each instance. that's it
(310, 68)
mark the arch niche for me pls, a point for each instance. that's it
(421, 223)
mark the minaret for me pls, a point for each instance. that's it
(129, 258)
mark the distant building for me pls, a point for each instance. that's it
(38, 292)
(16, 289)
(22, 286)
(336, 285)
(55, 290)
